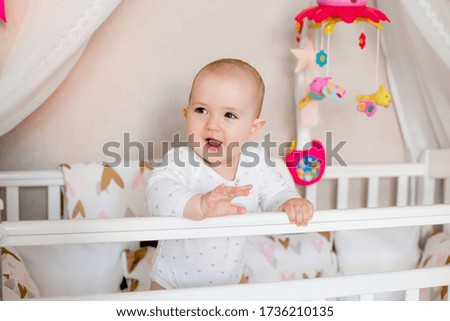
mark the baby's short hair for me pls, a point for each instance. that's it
(228, 64)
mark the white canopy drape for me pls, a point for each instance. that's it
(52, 38)
(417, 47)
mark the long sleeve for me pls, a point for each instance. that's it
(274, 190)
(168, 187)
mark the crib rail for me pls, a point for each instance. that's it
(364, 286)
(158, 228)
(379, 170)
(133, 229)
(53, 180)
(433, 166)
(31, 178)
(12, 181)
(373, 173)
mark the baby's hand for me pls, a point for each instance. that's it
(218, 201)
(299, 210)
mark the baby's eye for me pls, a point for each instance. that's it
(230, 115)
(200, 110)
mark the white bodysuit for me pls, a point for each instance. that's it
(207, 261)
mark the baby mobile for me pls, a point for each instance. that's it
(307, 165)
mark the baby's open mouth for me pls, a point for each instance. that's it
(213, 145)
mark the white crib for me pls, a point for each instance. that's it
(433, 168)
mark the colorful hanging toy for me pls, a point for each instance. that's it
(368, 103)
(326, 15)
(306, 159)
(330, 12)
(320, 88)
(306, 166)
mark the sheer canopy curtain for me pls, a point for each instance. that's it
(417, 48)
(52, 38)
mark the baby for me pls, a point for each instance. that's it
(217, 175)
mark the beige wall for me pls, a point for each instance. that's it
(135, 75)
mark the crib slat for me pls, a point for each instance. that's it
(342, 193)
(12, 203)
(412, 295)
(429, 188)
(53, 202)
(311, 194)
(436, 163)
(402, 191)
(372, 192)
(447, 191)
(367, 297)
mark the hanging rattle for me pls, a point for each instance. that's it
(306, 163)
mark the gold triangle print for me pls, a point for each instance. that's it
(285, 243)
(109, 175)
(6, 252)
(78, 209)
(66, 166)
(134, 257)
(145, 165)
(23, 290)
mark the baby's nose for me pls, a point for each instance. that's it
(212, 123)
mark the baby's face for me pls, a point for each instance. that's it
(222, 115)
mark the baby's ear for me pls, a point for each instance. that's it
(258, 124)
(185, 111)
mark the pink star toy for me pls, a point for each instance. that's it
(306, 57)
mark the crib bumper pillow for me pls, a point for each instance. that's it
(136, 265)
(267, 259)
(75, 269)
(91, 191)
(380, 250)
(289, 257)
(95, 191)
(16, 280)
(436, 253)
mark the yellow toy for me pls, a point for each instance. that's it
(368, 103)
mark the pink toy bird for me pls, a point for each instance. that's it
(320, 88)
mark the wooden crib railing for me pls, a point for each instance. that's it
(13, 181)
(44, 232)
(433, 167)
(135, 229)
(363, 286)
(373, 173)
(53, 181)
